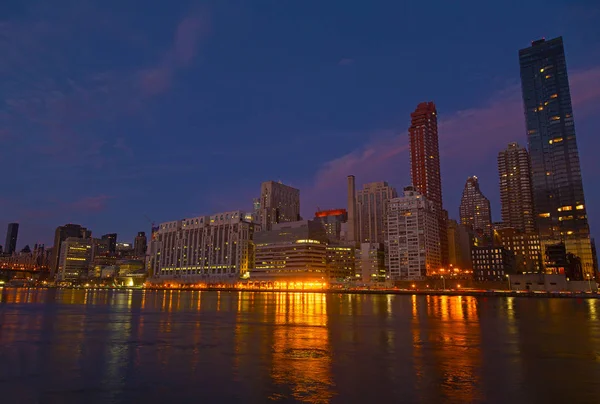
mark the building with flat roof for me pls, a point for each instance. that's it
(76, 256)
(492, 263)
(278, 203)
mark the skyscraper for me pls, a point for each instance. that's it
(558, 196)
(278, 203)
(12, 232)
(413, 238)
(475, 212)
(352, 219)
(515, 189)
(425, 165)
(140, 244)
(60, 235)
(332, 220)
(372, 202)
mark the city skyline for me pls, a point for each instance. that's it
(118, 193)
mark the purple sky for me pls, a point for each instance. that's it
(111, 112)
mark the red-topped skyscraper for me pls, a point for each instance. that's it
(425, 164)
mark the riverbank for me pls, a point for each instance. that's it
(419, 292)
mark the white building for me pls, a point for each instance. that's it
(75, 257)
(204, 248)
(370, 263)
(413, 238)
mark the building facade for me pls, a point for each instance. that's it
(413, 240)
(204, 248)
(293, 251)
(76, 256)
(12, 232)
(558, 197)
(459, 246)
(60, 235)
(370, 263)
(492, 263)
(425, 165)
(278, 203)
(332, 221)
(111, 239)
(372, 203)
(475, 211)
(341, 262)
(514, 172)
(525, 246)
(140, 245)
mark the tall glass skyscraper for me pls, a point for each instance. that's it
(560, 208)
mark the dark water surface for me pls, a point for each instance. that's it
(78, 346)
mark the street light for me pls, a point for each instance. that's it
(443, 283)
(509, 288)
(589, 282)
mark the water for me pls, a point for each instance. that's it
(73, 346)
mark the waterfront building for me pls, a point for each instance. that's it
(492, 263)
(140, 245)
(370, 263)
(76, 255)
(525, 246)
(459, 246)
(12, 232)
(413, 240)
(111, 239)
(372, 203)
(205, 248)
(341, 261)
(350, 230)
(291, 251)
(475, 211)
(332, 221)
(60, 235)
(278, 203)
(425, 165)
(514, 172)
(558, 197)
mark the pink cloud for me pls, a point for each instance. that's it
(467, 137)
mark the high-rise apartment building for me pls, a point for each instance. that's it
(515, 189)
(140, 245)
(525, 246)
(475, 211)
(204, 248)
(278, 203)
(12, 232)
(332, 221)
(558, 198)
(75, 258)
(372, 202)
(413, 236)
(60, 235)
(425, 165)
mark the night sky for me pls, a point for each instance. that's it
(115, 110)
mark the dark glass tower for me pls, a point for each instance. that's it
(12, 232)
(560, 208)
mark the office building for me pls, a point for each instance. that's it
(558, 197)
(12, 232)
(341, 261)
(492, 263)
(515, 189)
(292, 251)
(332, 221)
(372, 202)
(351, 228)
(475, 211)
(205, 248)
(370, 263)
(425, 165)
(413, 239)
(60, 235)
(525, 246)
(112, 242)
(278, 203)
(459, 246)
(75, 259)
(559, 261)
(140, 244)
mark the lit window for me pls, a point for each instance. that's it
(579, 207)
(544, 215)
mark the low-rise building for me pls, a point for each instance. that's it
(75, 259)
(217, 248)
(492, 263)
(341, 262)
(525, 246)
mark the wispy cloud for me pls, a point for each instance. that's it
(91, 204)
(467, 138)
(346, 62)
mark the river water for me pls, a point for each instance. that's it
(78, 346)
